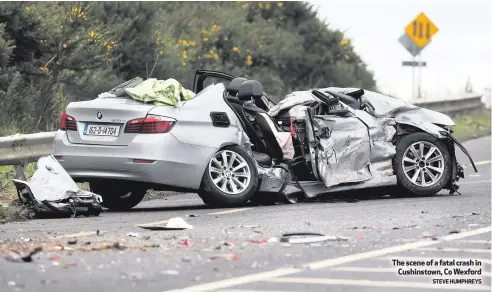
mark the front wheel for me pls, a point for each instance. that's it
(231, 178)
(422, 164)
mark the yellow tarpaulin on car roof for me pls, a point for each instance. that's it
(160, 92)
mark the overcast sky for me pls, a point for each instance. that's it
(461, 48)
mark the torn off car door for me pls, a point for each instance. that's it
(341, 148)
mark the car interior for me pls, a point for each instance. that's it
(244, 96)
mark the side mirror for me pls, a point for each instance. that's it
(340, 112)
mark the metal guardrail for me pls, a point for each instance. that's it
(19, 150)
(455, 106)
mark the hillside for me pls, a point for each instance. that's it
(53, 53)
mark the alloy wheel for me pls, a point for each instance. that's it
(229, 172)
(423, 164)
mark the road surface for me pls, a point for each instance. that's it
(226, 249)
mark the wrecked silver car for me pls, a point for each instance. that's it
(230, 143)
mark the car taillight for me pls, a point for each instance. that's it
(151, 124)
(68, 123)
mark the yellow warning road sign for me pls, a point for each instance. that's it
(421, 30)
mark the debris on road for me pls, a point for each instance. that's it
(227, 257)
(72, 241)
(453, 232)
(427, 234)
(17, 257)
(68, 265)
(306, 237)
(250, 226)
(132, 234)
(257, 240)
(176, 223)
(170, 272)
(193, 215)
(52, 192)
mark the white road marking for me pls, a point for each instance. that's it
(230, 211)
(475, 182)
(326, 263)
(472, 250)
(460, 241)
(478, 163)
(474, 241)
(248, 290)
(381, 284)
(239, 280)
(80, 234)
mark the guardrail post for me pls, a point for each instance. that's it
(19, 171)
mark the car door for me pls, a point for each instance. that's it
(204, 78)
(339, 144)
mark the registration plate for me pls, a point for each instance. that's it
(101, 130)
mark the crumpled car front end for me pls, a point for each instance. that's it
(410, 118)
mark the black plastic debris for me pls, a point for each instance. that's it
(72, 241)
(17, 257)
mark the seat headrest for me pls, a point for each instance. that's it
(250, 89)
(233, 86)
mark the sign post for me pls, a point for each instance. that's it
(418, 34)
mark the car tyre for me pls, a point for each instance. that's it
(118, 196)
(422, 165)
(227, 183)
(264, 199)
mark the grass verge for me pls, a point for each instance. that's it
(473, 125)
(10, 207)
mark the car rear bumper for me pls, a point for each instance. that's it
(174, 163)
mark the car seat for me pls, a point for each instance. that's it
(248, 92)
(237, 105)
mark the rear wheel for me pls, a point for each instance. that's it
(422, 164)
(119, 195)
(231, 178)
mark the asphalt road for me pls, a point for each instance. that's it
(226, 249)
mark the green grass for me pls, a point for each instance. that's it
(473, 125)
(10, 207)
